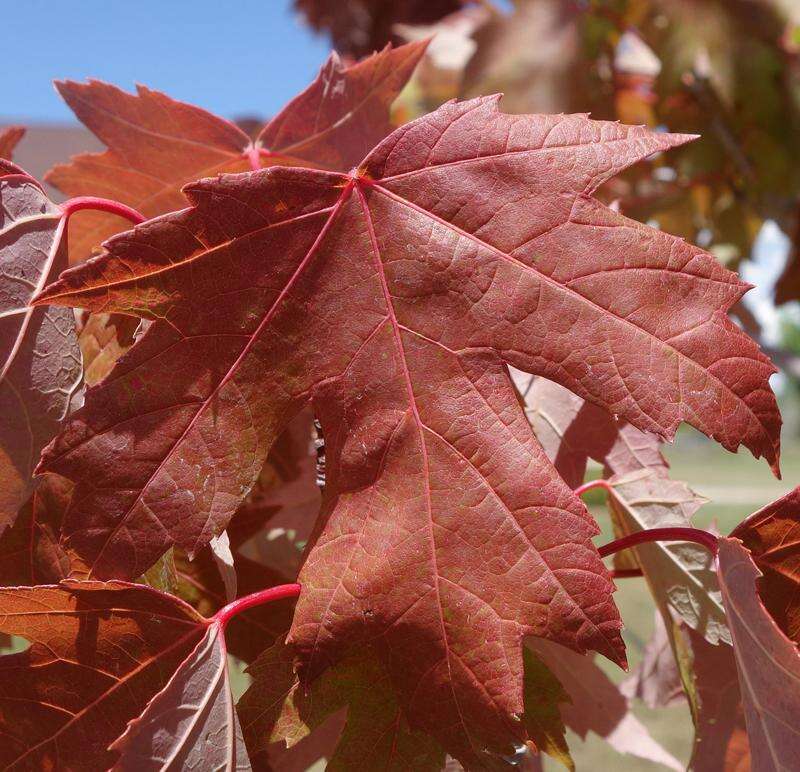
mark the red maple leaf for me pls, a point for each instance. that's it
(392, 298)
(156, 144)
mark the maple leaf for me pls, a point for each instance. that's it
(393, 297)
(768, 662)
(772, 535)
(40, 364)
(9, 138)
(156, 144)
(99, 651)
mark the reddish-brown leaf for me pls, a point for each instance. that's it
(99, 652)
(9, 138)
(156, 145)
(773, 537)
(392, 298)
(767, 661)
(40, 363)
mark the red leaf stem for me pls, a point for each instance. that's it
(225, 614)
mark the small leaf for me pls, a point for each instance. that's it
(9, 138)
(773, 537)
(681, 574)
(99, 651)
(570, 430)
(103, 339)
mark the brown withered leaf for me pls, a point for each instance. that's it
(103, 339)
(680, 574)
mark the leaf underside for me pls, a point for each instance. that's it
(40, 363)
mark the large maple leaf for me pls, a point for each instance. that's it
(157, 144)
(392, 298)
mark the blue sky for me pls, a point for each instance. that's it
(248, 60)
